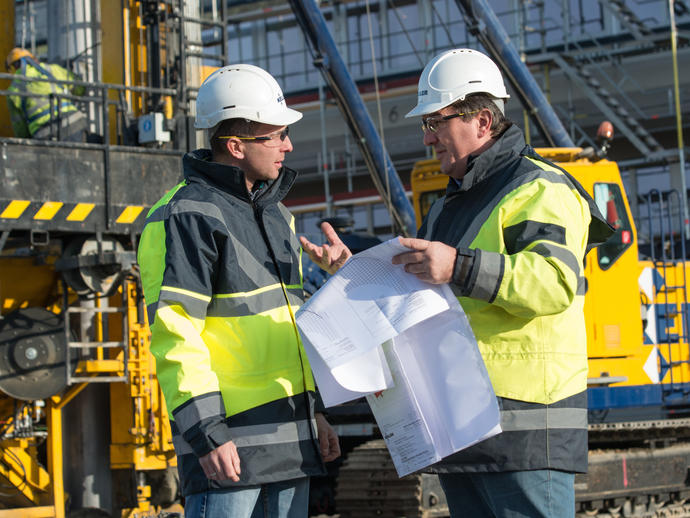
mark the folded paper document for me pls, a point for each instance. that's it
(374, 330)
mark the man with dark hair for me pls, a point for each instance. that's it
(220, 267)
(510, 237)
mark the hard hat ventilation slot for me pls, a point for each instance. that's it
(229, 107)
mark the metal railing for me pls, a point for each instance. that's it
(99, 95)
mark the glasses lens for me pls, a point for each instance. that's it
(276, 139)
(430, 125)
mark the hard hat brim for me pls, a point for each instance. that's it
(425, 109)
(284, 117)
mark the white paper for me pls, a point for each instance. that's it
(366, 303)
(375, 330)
(364, 375)
(402, 425)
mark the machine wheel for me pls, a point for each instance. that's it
(32, 354)
(92, 275)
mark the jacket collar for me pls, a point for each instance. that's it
(479, 167)
(511, 146)
(198, 167)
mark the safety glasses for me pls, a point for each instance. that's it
(432, 124)
(271, 140)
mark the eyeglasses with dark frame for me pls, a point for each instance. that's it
(432, 123)
(282, 134)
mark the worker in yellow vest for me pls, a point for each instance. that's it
(510, 237)
(220, 267)
(38, 106)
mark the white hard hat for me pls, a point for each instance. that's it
(242, 91)
(452, 75)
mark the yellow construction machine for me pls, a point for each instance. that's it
(54, 348)
(83, 427)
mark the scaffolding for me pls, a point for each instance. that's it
(594, 59)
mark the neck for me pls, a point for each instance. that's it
(222, 158)
(486, 145)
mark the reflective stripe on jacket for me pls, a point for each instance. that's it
(222, 281)
(534, 436)
(29, 114)
(530, 224)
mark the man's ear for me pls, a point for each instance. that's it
(484, 121)
(234, 148)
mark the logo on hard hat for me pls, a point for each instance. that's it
(422, 93)
(281, 99)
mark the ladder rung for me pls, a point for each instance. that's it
(95, 310)
(95, 345)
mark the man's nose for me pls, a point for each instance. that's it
(429, 138)
(287, 145)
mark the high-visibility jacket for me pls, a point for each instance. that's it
(29, 114)
(530, 225)
(222, 280)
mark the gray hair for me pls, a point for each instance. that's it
(474, 103)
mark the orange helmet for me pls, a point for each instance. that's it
(16, 54)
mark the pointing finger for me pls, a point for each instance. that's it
(330, 233)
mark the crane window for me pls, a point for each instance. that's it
(609, 200)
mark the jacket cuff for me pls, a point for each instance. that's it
(485, 275)
(206, 436)
(463, 271)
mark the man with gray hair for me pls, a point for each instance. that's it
(509, 237)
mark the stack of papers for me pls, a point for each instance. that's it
(374, 330)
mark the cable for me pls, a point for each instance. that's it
(25, 480)
(378, 107)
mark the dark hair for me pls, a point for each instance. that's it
(237, 127)
(477, 102)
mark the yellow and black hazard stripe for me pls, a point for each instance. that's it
(67, 215)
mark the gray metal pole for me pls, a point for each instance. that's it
(679, 121)
(73, 35)
(323, 161)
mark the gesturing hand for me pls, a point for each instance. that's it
(331, 256)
